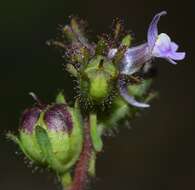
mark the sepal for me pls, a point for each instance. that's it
(95, 135)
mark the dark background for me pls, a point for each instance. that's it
(158, 153)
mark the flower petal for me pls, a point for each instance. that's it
(134, 58)
(157, 52)
(177, 55)
(174, 46)
(163, 42)
(171, 61)
(130, 99)
(153, 29)
(112, 53)
(162, 46)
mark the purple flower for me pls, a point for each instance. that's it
(157, 45)
(161, 45)
(165, 48)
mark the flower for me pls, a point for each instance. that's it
(165, 48)
(157, 45)
(161, 44)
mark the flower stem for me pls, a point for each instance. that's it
(81, 170)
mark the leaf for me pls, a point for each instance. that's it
(127, 41)
(96, 138)
(18, 142)
(140, 89)
(91, 167)
(44, 143)
(60, 98)
(101, 47)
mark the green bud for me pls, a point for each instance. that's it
(51, 135)
(60, 98)
(99, 88)
(98, 78)
(101, 47)
(127, 41)
(118, 112)
(69, 34)
(121, 110)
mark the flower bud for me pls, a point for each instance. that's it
(51, 136)
(29, 119)
(98, 79)
(57, 118)
(27, 136)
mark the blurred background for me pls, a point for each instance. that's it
(158, 152)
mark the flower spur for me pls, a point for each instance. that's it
(157, 45)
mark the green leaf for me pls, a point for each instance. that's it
(151, 96)
(96, 138)
(91, 167)
(78, 30)
(140, 89)
(60, 98)
(117, 115)
(76, 26)
(118, 27)
(101, 47)
(13, 138)
(18, 142)
(127, 41)
(47, 150)
(44, 143)
(68, 34)
(71, 69)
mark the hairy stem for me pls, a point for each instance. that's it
(81, 170)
